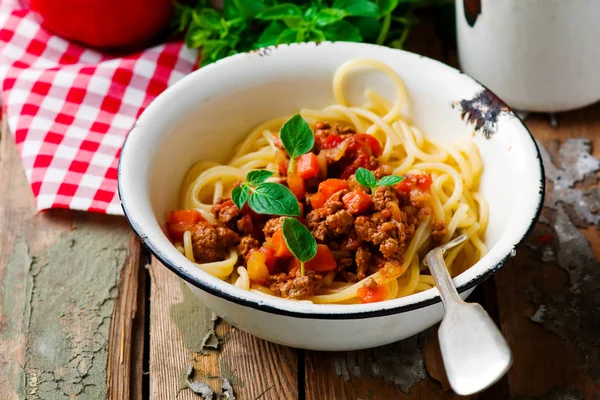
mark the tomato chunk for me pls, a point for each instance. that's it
(257, 267)
(180, 221)
(278, 242)
(323, 261)
(296, 185)
(326, 189)
(356, 202)
(307, 166)
(371, 141)
(372, 294)
(421, 181)
(331, 141)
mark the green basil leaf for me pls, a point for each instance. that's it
(369, 28)
(239, 195)
(258, 176)
(270, 35)
(387, 6)
(357, 8)
(366, 178)
(316, 35)
(230, 9)
(299, 240)
(390, 180)
(208, 18)
(311, 13)
(287, 36)
(196, 38)
(273, 199)
(342, 31)
(294, 22)
(280, 11)
(328, 16)
(249, 7)
(296, 136)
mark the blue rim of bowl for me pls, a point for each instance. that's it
(345, 315)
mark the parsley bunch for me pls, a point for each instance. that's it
(244, 25)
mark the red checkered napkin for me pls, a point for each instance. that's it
(70, 108)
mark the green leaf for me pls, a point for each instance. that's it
(273, 199)
(296, 136)
(258, 176)
(366, 178)
(270, 35)
(328, 16)
(390, 180)
(249, 7)
(387, 6)
(208, 18)
(287, 36)
(357, 8)
(197, 38)
(299, 240)
(369, 28)
(294, 22)
(280, 11)
(316, 35)
(342, 31)
(239, 195)
(230, 9)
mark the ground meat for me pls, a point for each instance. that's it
(382, 196)
(344, 262)
(334, 203)
(211, 243)
(225, 210)
(294, 286)
(272, 226)
(349, 276)
(382, 170)
(315, 221)
(245, 224)
(339, 223)
(363, 259)
(370, 284)
(247, 243)
(438, 231)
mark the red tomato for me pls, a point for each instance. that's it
(371, 141)
(362, 160)
(257, 267)
(331, 141)
(270, 257)
(180, 221)
(307, 166)
(356, 202)
(420, 181)
(278, 243)
(106, 23)
(296, 185)
(323, 261)
(283, 167)
(326, 189)
(367, 295)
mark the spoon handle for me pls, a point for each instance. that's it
(435, 261)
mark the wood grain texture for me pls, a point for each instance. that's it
(58, 283)
(254, 367)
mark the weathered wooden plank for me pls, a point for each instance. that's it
(59, 272)
(183, 334)
(547, 297)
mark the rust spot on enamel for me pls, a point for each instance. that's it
(482, 112)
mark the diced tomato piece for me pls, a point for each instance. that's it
(372, 295)
(331, 141)
(323, 260)
(420, 181)
(270, 258)
(296, 185)
(278, 242)
(356, 202)
(362, 160)
(371, 141)
(307, 166)
(180, 221)
(257, 267)
(326, 189)
(283, 167)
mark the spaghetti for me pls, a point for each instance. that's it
(452, 199)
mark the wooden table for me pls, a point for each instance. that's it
(86, 313)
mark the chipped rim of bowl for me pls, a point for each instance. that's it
(296, 309)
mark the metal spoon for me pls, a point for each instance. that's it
(474, 351)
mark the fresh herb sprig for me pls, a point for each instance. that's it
(367, 179)
(265, 197)
(297, 138)
(299, 241)
(244, 25)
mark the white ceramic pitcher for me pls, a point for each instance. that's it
(536, 55)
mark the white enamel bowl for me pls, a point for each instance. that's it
(207, 113)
